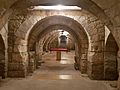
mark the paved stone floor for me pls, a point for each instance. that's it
(54, 75)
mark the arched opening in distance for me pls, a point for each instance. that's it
(52, 23)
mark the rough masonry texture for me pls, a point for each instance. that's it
(25, 35)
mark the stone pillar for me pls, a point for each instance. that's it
(96, 61)
(83, 64)
(6, 62)
(39, 52)
(58, 55)
(78, 57)
(118, 58)
(38, 60)
(17, 56)
(96, 66)
(77, 63)
(17, 51)
(2, 68)
(83, 59)
(110, 66)
(17, 64)
(32, 62)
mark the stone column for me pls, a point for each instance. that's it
(83, 64)
(2, 68)
(83, 59)
(6, 62)
(16, 59)
(38, 59)
(96, 62)
(17, 52)
(118, 58)
(32, 62)
(17, 64)
(77, 57)
(39, 53)
(110, 65)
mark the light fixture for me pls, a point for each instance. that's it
(56, 7)
(63, 33)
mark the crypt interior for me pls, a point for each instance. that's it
(59, 44)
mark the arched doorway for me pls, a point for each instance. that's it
(2, 57)
(110, 59)
(52, 23)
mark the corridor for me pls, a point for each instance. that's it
(54, 75)
(33, 33)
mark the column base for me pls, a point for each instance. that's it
(96, 71)
(16, 70)
(16, 74)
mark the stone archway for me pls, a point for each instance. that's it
(110, 59)
(111, 10)
(21, 50)
(2, 57)
(61, 22)
(27, 36)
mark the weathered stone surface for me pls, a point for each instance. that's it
(32, 62)
(83, 64)
(96, 66)
(2, 69)
(20, 25)
(95, 71)
(110, 59)
(92, 24)
(17, 74)
(16, 66)
(110, 73)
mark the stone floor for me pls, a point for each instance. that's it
(55, 75)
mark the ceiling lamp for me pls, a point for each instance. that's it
(57, 7)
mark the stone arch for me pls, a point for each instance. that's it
(52, 28)
(110, 59)
(61, 22)
(92, 10)
(93, 7)
(50, 39)
(2, 57)
(88, 5)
